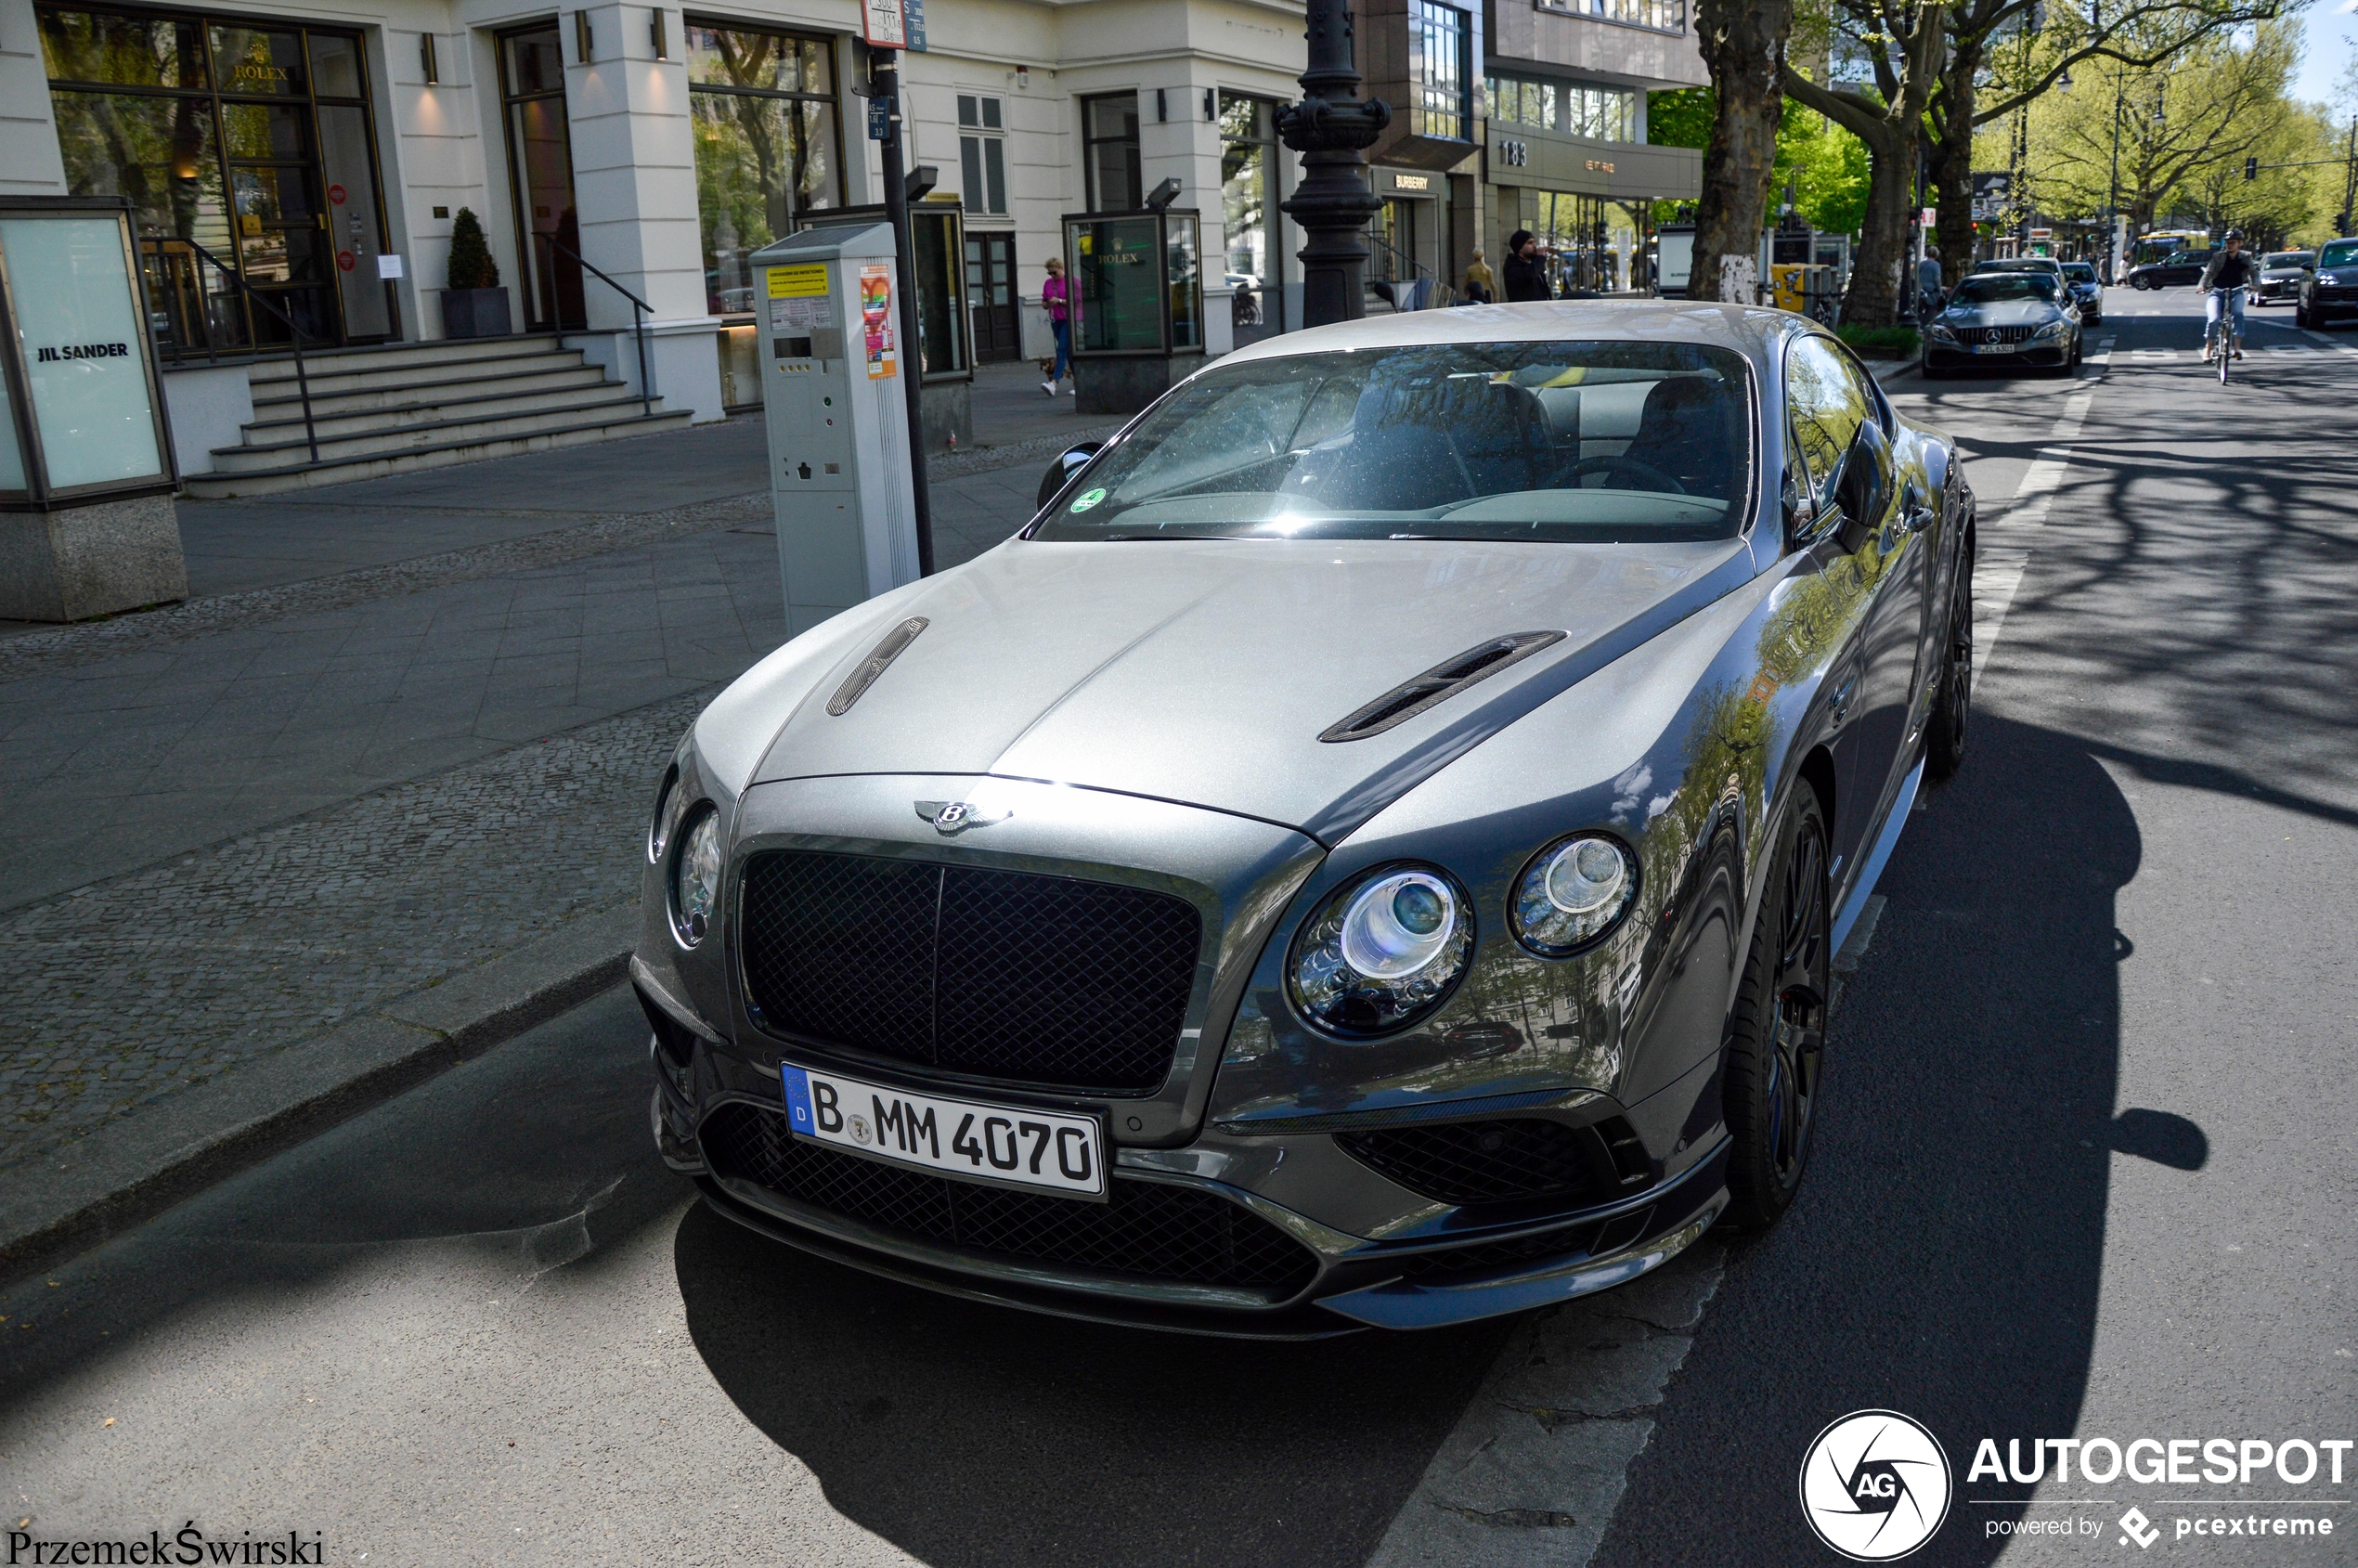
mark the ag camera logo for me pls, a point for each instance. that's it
(1875, 1485)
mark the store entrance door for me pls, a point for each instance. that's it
(990, 297)
(532, 85)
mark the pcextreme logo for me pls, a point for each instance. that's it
(1875, 1485)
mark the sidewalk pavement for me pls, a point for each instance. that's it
(370, 801)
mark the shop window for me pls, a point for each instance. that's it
(1248, 210)
(762, 107)
(982, 153)
(1440, 52)
(252, 141)
(1110, 148)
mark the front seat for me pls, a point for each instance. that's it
(1688, 430)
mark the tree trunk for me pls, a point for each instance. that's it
(1743, 45)
(1951, 169)
(1881, 258)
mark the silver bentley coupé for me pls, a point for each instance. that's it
(1369, 852)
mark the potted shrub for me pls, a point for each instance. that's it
(473, 305)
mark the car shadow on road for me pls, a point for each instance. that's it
(971, 1436)
(1945, 1260)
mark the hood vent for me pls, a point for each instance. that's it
(879, 660)
(1440, 683)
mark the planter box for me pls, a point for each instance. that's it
(475, 313)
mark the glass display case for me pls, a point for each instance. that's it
(1137, 283)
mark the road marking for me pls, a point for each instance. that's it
(2153, 354)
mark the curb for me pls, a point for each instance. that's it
(131, 1170)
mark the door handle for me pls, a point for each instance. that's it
(1838, 709)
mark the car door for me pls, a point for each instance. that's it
(1870, 577)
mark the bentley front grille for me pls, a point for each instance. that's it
(1149, 1230)
(1008, 975)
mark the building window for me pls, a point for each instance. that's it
(1248, 209)
(1662, 16)
(252, 140)
(1597, 114)
(762, 105)
(1440, 53)
(982, 153)
(1110, 151)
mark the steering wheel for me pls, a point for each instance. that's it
(1644, 471)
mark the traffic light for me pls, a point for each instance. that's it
(2251, 168)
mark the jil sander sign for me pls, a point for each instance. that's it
(58, 354)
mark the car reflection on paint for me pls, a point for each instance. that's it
(1384, 826)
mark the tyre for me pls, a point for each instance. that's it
(1776, 1033)
(2300, 317)
(1952, 703)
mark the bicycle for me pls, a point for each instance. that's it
(2229, 340)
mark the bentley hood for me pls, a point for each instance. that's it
(1204, 672)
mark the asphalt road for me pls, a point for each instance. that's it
(2082, 1172)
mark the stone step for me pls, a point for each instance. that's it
(286, 430)
(339, 376)
(436, 351)
(486, 425)
(305, 475)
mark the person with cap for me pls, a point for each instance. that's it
(1526, 271)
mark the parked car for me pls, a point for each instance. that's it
(2005, 318)
(2280, 275)
(2330, 291)
(2087, 290)
(2173, 270)
(1368, 853)
(2047, 264)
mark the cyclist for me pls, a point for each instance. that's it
(2224, 281)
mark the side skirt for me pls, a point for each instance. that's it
(1886, 841)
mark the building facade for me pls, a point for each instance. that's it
(324, 151)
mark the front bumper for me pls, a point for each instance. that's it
(1945, 356)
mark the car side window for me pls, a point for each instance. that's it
(1826, 403)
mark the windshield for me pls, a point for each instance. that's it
(2340, 254)
(1990, 288)
(2288, 258)
(2079, 272)
(1556, 442)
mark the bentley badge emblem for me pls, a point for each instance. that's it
(957, 816)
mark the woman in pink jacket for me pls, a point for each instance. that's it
(1056, 294)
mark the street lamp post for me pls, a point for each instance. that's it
(1332, 127)
(2113, 257)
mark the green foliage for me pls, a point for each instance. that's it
(1827, 167)
(470, 263)
(1680, 117)
(1880, 342)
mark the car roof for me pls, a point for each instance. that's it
(1750, 330)
(2020, 264)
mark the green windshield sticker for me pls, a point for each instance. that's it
(1088, 499)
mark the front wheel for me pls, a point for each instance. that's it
(1776, 1033)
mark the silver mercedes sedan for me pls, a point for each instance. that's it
(1370, 852)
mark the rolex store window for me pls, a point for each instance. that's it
(769, 147)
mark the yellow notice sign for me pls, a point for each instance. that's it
(796, 282)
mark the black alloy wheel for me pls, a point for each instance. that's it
(1777, 1033)
(1952, 703)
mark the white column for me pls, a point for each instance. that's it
(30, 162)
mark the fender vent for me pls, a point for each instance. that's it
(879, 660)
(1440, 683)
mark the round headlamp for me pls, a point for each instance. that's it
(695, 875)
(1573, 892)
(1382, 952)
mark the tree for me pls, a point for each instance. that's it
(470, 263)
(1905, 42)
(1825, 167)
(1743, 45)
(2019, 51)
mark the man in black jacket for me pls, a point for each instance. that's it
(2224, 281)
(1524, 276)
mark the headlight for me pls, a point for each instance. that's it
(2053, 330)
(1572, 893)
(1384, 952)
(659, 826)
(695, 877)
(1943, 333)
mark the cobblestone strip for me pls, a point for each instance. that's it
(133, 989)
(36, 653)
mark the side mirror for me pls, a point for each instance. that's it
(1863, 489)
(1070, 462)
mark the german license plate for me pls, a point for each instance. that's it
(1994, 348)
(1011, 1145)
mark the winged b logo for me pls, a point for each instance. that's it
(957, 816)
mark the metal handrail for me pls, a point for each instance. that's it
(295, 333)
(1381, 287)
(639, 309)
